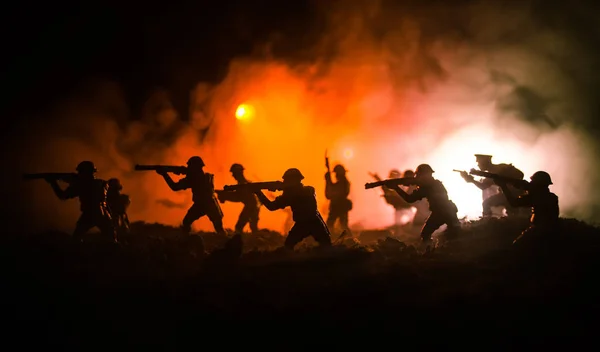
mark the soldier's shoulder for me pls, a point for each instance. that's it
(309, 189)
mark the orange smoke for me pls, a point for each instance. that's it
(387, 100)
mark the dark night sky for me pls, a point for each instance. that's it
(139, 46)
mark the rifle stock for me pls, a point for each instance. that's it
(56, 176)
(256, 186)
(177, 170)
(406, 181)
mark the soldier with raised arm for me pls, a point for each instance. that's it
(443, 210)
(249, 214)
(91, 192)
(302, 200)
(337, 193)
(203, 194)
(543, 204)
(118, 204)
(498, 199)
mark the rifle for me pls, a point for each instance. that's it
(256, 186)
(327, 162)
(405, 181)
(52, 176)
(520, 184)
(177, 170)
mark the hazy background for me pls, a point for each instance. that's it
(380, 84)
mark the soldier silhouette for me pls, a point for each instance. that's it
(118, 204)
(543, 204)
(91, 192)
(203, 195)
(250, 212)
(495, 200)
(421, 207)
(443, 210)
(302, 200)
(337, 193)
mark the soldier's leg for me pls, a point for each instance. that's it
(496, 200)
(295, 236)
(216, 217)
(321, 235)
(243, 219)
(107, 226)
(331, 218)
(83, 225)
(194, 213)
(344, 223)
(253, 220)
(431, 224)
(453, 226)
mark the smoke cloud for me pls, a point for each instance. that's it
(386, 86)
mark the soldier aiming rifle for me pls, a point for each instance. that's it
(302, 200)
(203, 191)
(495, 200)
(543, 203)
(443, 210)
(249, 214)
(91, 192)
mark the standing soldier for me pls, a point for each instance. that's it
(303, 201)
(543, 204)
(443, 210)
(118, 204)
(203, 195)
(337, 193)
(91, 192)
(249, 214)
(495, 200)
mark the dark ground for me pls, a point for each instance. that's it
(158, 292)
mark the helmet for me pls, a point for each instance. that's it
(115, 183)
(292, 174)
(483, 157)
(195, 161)
(86, 166)
(236, 168)
(424, 169)
(394, 173)
(541, 177)
(408, 173)
(339, 169)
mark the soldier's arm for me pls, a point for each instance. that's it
(277, 203)
(68, 193)
(233, 197)
(482, 185)
(410, 198)
(522, 201)
(176, 186)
